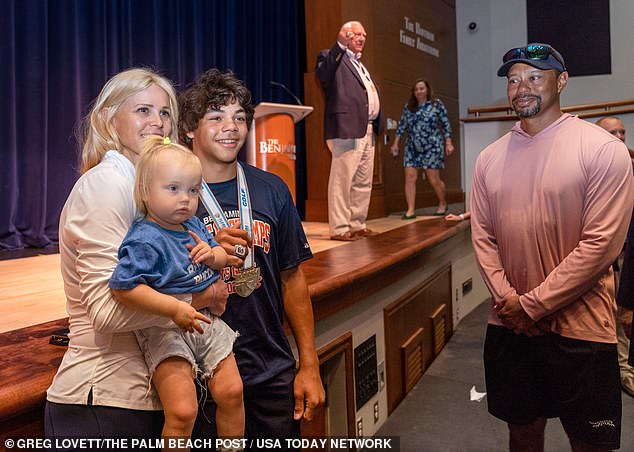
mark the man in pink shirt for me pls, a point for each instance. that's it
(547, 222)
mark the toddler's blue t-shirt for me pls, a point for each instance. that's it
(157, 257)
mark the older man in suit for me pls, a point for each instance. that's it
(351, 120)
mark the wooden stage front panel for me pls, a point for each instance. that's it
(338, 277)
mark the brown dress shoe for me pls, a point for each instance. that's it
(345, 237)
(364, 233)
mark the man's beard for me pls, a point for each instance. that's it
(529, 112)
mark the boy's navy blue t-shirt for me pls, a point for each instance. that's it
(262, 350)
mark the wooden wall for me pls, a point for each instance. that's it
(394, 65)
(423, 316)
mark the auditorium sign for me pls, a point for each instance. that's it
(414, 35)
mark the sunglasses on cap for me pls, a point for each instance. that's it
(532, 52)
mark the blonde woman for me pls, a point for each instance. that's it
(102, 387)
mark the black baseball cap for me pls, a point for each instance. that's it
(541, 56)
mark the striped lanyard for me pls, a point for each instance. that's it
(214, 209)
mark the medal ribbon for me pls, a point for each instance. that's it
(214, 209)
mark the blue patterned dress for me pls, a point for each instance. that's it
(426, 129)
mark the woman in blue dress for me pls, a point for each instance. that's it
(428, 140)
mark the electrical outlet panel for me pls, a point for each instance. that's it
(365, 371)
(467, 286)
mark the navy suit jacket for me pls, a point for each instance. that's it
(346, 114)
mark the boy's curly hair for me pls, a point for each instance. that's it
(213, 90)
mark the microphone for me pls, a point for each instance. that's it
(288, 91)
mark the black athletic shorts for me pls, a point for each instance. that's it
(554, 376)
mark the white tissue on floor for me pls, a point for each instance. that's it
(477, 396)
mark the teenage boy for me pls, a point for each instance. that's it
(266, 244)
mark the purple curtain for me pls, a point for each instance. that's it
(56, 56)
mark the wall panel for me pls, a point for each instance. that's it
(392, 28)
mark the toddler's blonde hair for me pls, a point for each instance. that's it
(154, 147)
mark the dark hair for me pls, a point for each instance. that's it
(412, 103)
(213, 90)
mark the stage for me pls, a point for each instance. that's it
(404, 287)
(32, 292)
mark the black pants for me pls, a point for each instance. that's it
(63, 422)
(268, 414)
(268, 411)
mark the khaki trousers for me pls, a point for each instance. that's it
(350, 182)
(623, 345)
(627, 372)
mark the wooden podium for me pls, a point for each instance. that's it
(271, 141)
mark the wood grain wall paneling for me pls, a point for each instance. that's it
(403, 319)
(394, 66)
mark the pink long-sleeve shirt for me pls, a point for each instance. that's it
(549, 216)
